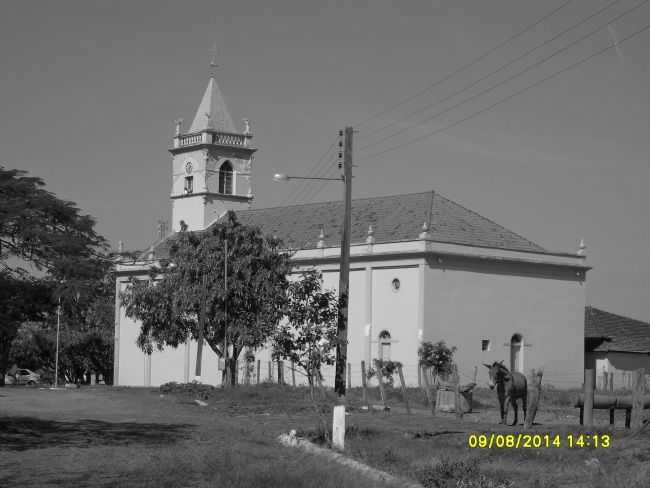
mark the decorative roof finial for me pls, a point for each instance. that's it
(247, 126)
(582, 248)
(178, 123)
(425, 231)
(371, 235)
(321, 239)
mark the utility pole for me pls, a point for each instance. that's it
(56, 360)
(344, 271)
(225, 314)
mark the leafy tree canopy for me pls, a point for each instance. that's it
(49, 235)
(169, 304)
(43, 230)
(308, 337)
(438, 356)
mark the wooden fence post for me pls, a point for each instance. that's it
(427, 390)
(247, 372)
(280, 372)
(637, 399)
(404, 396)
(364, 384)
(258, 371)
(611, 381)
(589, 397)
(349, 375)
(270, 371)
(536, 378)
(419, 376)
(293, 373)
(458, 405)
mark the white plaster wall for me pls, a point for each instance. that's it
(197, 158)
(189, 209)
(397, 312)
(131, 364)
(464, 307)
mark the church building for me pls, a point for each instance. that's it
(422, 268)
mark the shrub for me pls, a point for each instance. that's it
(387, 369)
(437, 356)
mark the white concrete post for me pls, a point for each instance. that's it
(338, 427)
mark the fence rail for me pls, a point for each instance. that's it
(618, 380)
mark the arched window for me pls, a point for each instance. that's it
(384, 345)
(225, 178)
(517, 353)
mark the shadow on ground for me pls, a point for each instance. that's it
(22, 433)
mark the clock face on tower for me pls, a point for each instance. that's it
(188, 167)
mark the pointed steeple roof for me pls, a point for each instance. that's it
(212, 112)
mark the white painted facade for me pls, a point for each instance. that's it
(458, 294)
(401, 293)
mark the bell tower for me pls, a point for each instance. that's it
(211, 164)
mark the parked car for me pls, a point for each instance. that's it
(23, 376)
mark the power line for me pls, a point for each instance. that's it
(512, 77)
(303, 186)
(519, 92)
(314, 168)
(319, 187)
(326, 172)
(467, 65)
(499, 69)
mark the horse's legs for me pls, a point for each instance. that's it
(513, 400)
(524, 400)
(504, 410)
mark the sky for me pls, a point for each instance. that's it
(89, 91)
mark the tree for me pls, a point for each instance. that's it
(190, 285)
(38, 228)
(41, 233)
(308, 337)
(438, 356)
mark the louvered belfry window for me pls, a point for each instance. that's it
(225, 178)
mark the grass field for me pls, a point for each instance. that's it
(141, 437)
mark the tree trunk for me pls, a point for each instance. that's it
(232, 363)
(6, 338)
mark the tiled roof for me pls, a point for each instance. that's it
(393, 218)
(621, 334)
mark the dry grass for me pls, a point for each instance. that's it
(136, 437)
(133, 437)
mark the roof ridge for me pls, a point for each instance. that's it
(379, 197)
(620, 316)
(492, 222)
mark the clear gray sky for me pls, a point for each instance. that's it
(89, 91)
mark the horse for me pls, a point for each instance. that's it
(510, 387)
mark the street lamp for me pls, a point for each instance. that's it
(56, 358)
(283, 177)
(345, 148)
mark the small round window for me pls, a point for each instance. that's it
(396, 284)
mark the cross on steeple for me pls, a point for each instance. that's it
(213, 60)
